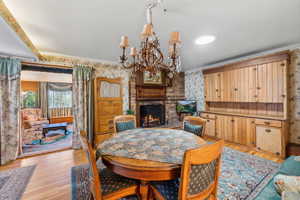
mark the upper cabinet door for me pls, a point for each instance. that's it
(271, 82)
(279, 81)
(212, 87)
(252, 82)
(226, 86)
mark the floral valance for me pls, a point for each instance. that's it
(9, 69)
(60, 86)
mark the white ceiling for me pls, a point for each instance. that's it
(93, 28)
(11, 44)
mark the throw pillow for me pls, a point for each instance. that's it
(290, 195)
(196, 129)
(123, 126)
(286, 183)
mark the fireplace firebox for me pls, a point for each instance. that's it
(152, 115)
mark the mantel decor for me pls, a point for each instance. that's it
(150, 57)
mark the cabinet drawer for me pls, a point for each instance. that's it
(208, 116)
(272, 123)
(269, 139)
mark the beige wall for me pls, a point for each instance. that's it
(294, 96)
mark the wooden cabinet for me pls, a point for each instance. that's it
(264, 134)
(108, 103)
(212, 91)
(269, 139)
(271, 82)
(249, 100)
(250, 133)
(265, 83)
(236, 129)
(210, 129)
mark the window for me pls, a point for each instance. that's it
(29, 99)
(60, 99)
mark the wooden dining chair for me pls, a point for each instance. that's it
(124, 122)
(199, 176)
(104, 184)
(194, 125)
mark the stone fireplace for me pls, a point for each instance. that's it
(152, 115)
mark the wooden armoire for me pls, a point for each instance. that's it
(108, 103)
(246, 102)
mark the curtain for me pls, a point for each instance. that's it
(82, 104)
(10, 72)
(44, 99)
(59, 99)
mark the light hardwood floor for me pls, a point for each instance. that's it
(51, 179)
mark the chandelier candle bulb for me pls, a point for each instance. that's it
(147, 30)
(175, 37)
(124, 42)
(133, 51)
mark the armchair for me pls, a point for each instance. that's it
(32, 125)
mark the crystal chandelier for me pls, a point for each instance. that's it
(150, 57)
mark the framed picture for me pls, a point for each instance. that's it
(156, 79)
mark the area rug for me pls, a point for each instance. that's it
(13, 182)
(61, 143)
(243, 176)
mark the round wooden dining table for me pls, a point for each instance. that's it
(144, 170)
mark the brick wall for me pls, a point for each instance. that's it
(173, 94)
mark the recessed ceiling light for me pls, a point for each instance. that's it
(205, 39)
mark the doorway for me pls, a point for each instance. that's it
(46, 110)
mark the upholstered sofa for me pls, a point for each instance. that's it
(290, 167)
(32, 125)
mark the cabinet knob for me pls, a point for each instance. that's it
(232, 120)
(267, 123)
(282, 64)
(258, 88)
(217, 90)
(283, 96)
(208, 120)
(277, 153)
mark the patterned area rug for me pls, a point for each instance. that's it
(243, 176)
(13, 182)
(61, 143)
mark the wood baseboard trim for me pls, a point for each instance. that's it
(43, 153)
